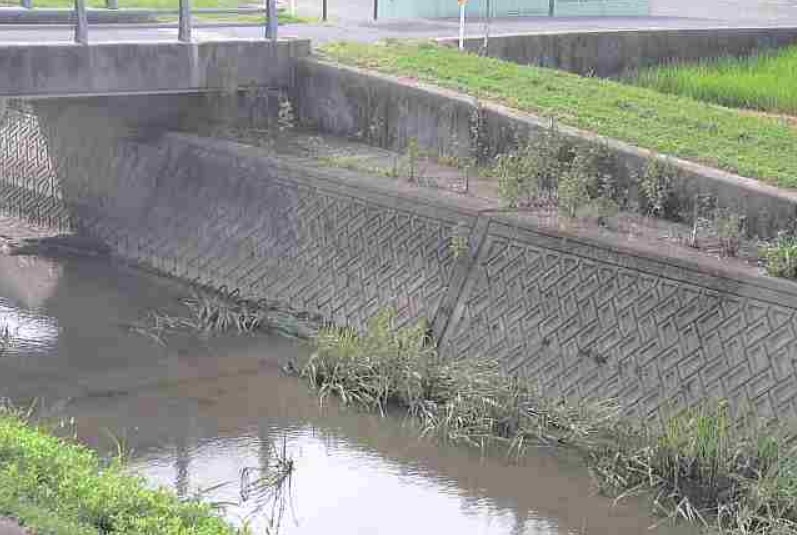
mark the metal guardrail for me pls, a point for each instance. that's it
(185, 24)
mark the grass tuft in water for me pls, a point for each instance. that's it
(466, 401)
(700, 465)
(219, 312)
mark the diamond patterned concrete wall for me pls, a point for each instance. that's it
(587, 321)
(283, 231)
(29, 186)
(585, 318)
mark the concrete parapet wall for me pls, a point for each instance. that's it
(586, 317)
(615, 52)
(21, 15)
(64, 69)
(388, 111)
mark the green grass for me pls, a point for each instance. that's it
(765, 82)
(466, 401)
(736, 478)
(55, 487)
(757, 147)
(781, 257)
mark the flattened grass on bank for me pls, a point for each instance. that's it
(765, 82)
(59, 488)
(757, 147)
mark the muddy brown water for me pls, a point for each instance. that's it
(204, 416)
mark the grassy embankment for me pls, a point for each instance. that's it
(753, 146)
(699, 466)
(766, 82)
(55, 487)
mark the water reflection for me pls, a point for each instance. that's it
(337, 485)
(200, 413)
(24, 332)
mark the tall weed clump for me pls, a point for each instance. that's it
(781, 257)
(549, 170)
(470, 401)
(733, 476)
(700, 465)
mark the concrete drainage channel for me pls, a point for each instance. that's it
(588, 317)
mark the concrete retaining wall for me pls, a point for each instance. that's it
(388, 112)
(587, 318)
(64, 69)
(615, 52)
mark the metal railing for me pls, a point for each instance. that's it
(185, 23)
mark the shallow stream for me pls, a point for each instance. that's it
(205, 415)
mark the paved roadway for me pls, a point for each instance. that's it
(7, 527)
(349, 20)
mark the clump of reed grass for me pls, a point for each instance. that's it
(733, 476)
(702, 466)
(219, 312)
(468, 401)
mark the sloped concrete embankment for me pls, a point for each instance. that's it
(585, 317)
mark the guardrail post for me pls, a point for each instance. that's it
(184, 31)
(112, 4)
(27, 4)
(81, 23)
(324, 10)
(273, 19)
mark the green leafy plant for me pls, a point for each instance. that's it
(413, 156)
(459, 241)
(658, 185)
(530, 174)
(59, 487)
(781, 257)
(730, 230)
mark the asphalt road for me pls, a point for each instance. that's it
(349, 20)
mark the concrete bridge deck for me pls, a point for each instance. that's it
(150, 67)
